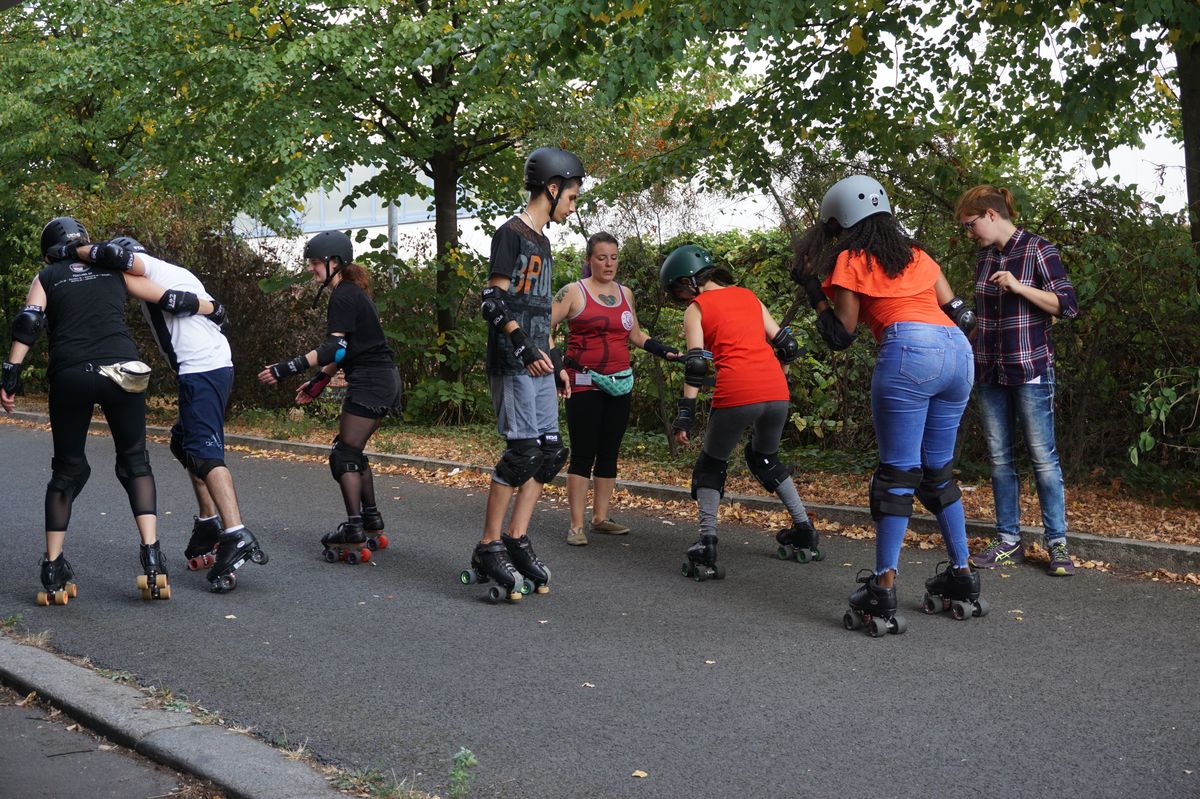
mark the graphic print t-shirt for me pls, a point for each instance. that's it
(522, 256)
(85, 315)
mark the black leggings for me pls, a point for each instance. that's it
(596, 422)
(74, 393)
(358, 488)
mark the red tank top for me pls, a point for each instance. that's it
(598, 336)
(747, 369)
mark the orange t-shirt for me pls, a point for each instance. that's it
(908, 297)
(747, 369)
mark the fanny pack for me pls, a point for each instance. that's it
(132, 376)
(617, 384)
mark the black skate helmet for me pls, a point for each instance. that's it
(547, 164)
(129, 243)
(63, 230)
(325, 246)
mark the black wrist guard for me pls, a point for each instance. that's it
(685, 416)
(522, 349)
(219, 316)
(288, 368)
(111, 256)
(11, 381)
(556, 358)
(656, 347)
(812, 289)
(962, 314)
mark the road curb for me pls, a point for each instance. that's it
(1125, 553)
(241, 765)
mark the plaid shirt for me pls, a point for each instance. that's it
(1013, 343)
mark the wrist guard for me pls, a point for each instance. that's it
(316, 384)
(685, 416)
(288, 368)
(219, 316)
(11, 381)
(812, 289)
(556, 358)
(962, 314)
(656, 347)
(522, 349)
(65, 252)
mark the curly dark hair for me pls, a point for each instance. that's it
(878, 237)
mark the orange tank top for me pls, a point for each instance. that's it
(908, 297)
(747, 369)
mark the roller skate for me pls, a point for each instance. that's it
(56, 579)
(520, 552)
(153, 584)
(234, 548)
(373, 525)
(203, 544)
(799, 542)
(348, 542)
(702, 560)
(874, 608)
(955, 592)
(490, 562)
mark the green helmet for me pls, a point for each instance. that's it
(684, 262)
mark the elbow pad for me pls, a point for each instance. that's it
(29, 325)
(332, 350)
(962, 315)
(695, 366)
(179, 303)
(786, 347)
(832, 330)
(492, 307)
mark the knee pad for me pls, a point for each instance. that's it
(767, 469)
(520, 461)
(343, 459)
(709, 472)
(68, 476)
(131, 466)
(886, 481)
(200, 467)
(938, 487)
(554, 455)
(177, 449)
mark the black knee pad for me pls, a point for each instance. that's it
(938, 487)
(68, 476)
(767, 469)
(131, 466)
(343, 459)
(887, 478)
(177, 449)
(520, 461)
(709, 472)
(554, 455)
(200, 467)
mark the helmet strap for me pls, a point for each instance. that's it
(329, 273)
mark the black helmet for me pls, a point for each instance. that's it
(63, 230)
(330, 244)
(129, 243)
(547, 163)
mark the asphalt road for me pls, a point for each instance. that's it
(744, 687)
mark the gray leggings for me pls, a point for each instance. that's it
(725, 428)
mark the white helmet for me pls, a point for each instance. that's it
(853, 199)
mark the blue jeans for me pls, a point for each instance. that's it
(1032, 406)
(919, 389)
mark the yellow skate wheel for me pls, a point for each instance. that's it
(72, 590)
(142, 582)
(60, 597)
(164, 592)
(43, 598)
(160, 581)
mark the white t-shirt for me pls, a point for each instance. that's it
(190, 344)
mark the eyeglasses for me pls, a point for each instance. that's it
(970, 223)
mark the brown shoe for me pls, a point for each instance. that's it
(610, 527)
(576, 538)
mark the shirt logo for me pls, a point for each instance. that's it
(79, 268)
(627, 320)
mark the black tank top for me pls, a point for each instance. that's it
(85, 315)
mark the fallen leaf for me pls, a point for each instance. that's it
(543, 621)
(107, 747)
(639, 774)
(28, 698)
(587, 685)
(710, 662)
(231, 616)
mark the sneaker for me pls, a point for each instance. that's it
(610, 527)
(576, 538)
(998, 553)
(1061, 564)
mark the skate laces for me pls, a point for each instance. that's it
(994, 546)
(1058, 551)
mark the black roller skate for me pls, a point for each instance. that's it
(491, 562)
(153, 584)
(200, 549)
(373, 526)
(56, 579)
(234, 548)
(874, 608)
(799, 542)
(520, 552)
(348, 542)
(702, 560)
(949, 590)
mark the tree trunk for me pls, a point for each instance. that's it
(445, 170)
(1188, 57)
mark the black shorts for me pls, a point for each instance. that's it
(372, 392)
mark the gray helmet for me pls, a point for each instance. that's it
(63, 230)
(330, 244)
(547, 163)
(129, 243)
(853, 199)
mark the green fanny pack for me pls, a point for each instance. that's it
(617, 384)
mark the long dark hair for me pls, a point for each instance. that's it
(879, 237)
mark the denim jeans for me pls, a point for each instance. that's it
(919, 389)
(1032, 406)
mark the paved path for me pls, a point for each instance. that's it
(746, 687)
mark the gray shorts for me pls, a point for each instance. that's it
(525, 406)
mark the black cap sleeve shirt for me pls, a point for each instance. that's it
(353, 313)
(85, 315)
(522, 256)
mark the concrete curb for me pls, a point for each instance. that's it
(1126, 553)
(242, 766)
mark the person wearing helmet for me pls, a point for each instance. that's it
(195, 348)
(729, 327)
(522, 369)
(79, 299)
(874, 272)
(602, 322)
(1021, 287)
(355, 343)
